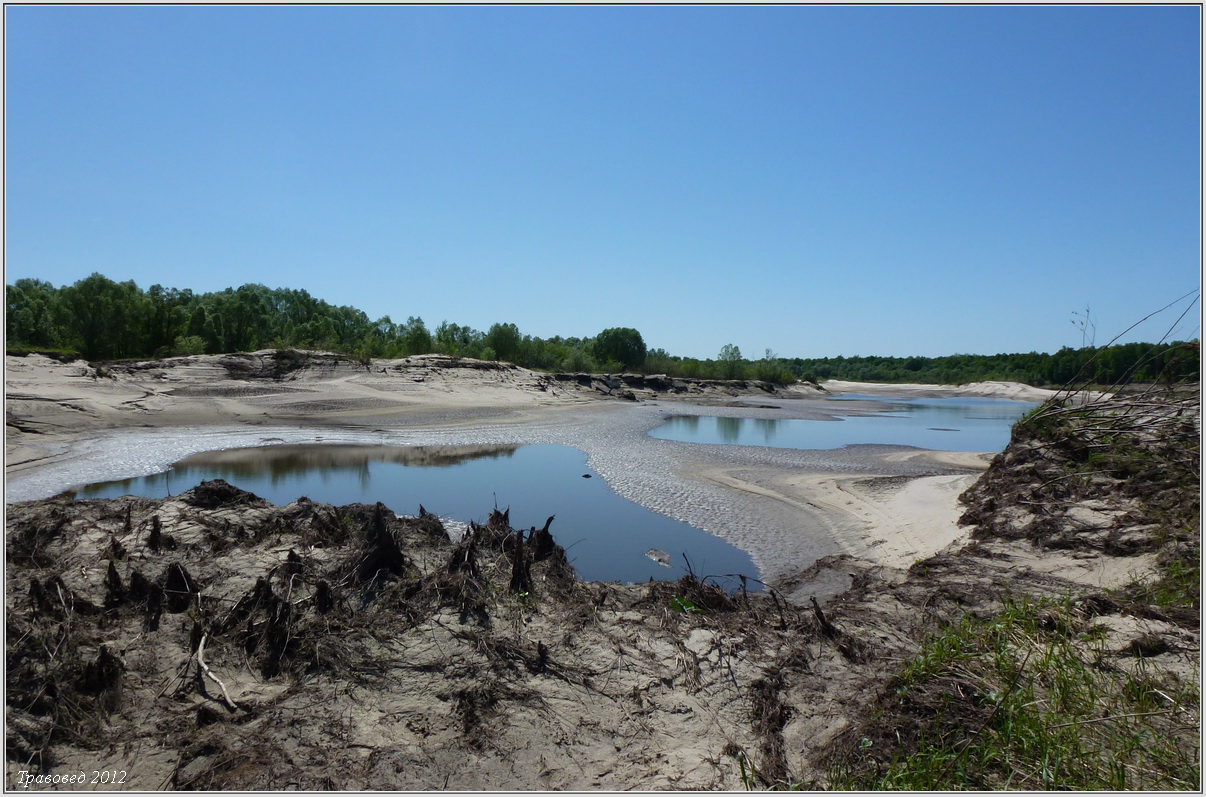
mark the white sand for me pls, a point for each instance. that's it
(1003, 390)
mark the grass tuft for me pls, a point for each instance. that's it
(1017, 702)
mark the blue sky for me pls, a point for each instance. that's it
(820, 181)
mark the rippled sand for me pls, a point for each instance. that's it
(786, 508)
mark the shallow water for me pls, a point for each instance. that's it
(940, 424)
(606, 537)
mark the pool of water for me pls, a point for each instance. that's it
(606, 537)
(940, 424)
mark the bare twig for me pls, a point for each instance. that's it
(203, 667)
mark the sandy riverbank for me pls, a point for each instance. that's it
(68, 422)
(357, 649)
(349, 648)
(1003, 390)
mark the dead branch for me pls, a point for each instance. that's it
(202, 667)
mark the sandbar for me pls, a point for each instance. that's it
(889, 506)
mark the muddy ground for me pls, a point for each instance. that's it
(211, 640)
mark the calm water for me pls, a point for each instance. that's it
(941, 424)
(605, 537)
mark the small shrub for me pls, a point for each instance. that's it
(188, 344)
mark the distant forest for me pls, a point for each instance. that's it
(99, 319)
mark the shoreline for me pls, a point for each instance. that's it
(786, 508)
(483, 661)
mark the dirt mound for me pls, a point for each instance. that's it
(280, 364)
(219, 493)
(1097, 478)
(211, 640)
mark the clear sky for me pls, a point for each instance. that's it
(820, 181)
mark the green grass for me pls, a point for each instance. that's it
(1030, 699)
(1040, 694)
(1175, 592)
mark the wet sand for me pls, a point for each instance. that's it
(787, 508)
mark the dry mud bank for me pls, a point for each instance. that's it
(360, 650)
(212, 640)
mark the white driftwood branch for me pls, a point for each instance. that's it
(205, 669)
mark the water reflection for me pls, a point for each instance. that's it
(951, 424)
(733, 430)
(279, 465)
(289, 460)
(729, 429)
(606, 537)
(768, 426)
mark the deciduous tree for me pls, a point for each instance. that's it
(620, 344)
(731, 364)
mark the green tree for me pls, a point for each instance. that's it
(620, 344)
(730, 362)
(503, 340)
(415, 337)
(320, 333)
(350, 325)
(105, 318)
(188, 344)
(772, 369)
(381, 340)
(205, 323)
(31, 307)
(167, 317)
(456, 339)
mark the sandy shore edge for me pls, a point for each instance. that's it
(896, 507)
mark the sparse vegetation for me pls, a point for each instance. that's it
(1031, 699)
(263, 643)
(1039, 693)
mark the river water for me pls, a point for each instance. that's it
(939, 424)
(664, 479)
(606, 537)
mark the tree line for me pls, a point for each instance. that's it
(1108, 365)
(100, 319)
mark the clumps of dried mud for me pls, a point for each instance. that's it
(214, 641)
